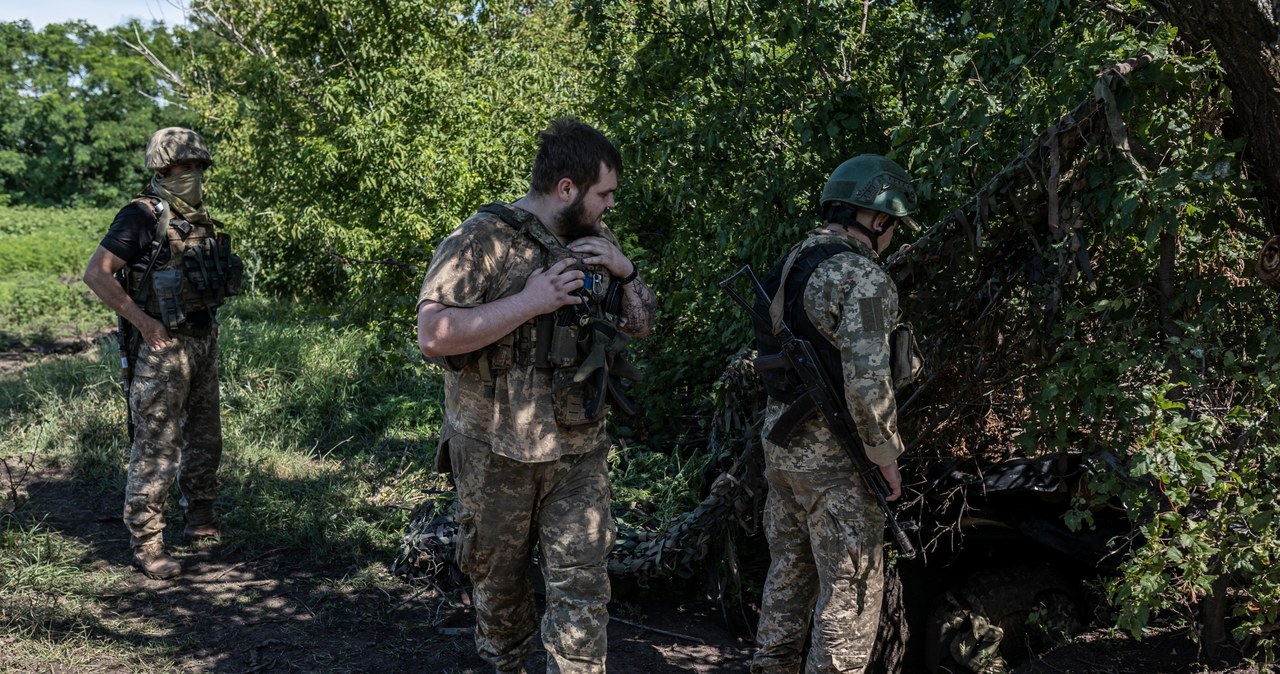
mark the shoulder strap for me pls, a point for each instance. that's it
(527, 224)
(505, 213)
(164, 215)
(821, 252)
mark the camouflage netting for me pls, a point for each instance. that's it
(985, 284)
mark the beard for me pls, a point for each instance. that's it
(573, 224)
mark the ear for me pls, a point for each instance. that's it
(566, 191)
(880, 223)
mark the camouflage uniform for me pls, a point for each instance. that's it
(824, 527)
(521, 474)
(174, 401)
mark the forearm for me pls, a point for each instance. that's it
(449, 331)
(874, 410)
(100, 280)
(639, 305)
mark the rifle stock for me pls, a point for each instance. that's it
(798, 354)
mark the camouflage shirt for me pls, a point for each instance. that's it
(854, 305)
(483, 260)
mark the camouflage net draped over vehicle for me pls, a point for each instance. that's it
(676, 551)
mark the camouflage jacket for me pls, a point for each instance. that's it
(484, 260)
(854, 305)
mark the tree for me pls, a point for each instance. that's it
(1245, 34)
(1099, 307)
(362, 133)
(77, 106)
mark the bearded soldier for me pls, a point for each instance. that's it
(165, 270)
(823, 524)
(528, 306)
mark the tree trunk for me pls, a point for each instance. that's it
(1246, 36)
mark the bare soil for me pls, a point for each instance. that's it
(15, 359)
(277, 610)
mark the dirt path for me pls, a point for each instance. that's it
(275, 610)
(15, 360)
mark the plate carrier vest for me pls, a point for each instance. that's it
(579, 342)
(198, 275)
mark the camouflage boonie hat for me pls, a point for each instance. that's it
(176, 144)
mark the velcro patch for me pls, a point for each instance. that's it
(874, 317)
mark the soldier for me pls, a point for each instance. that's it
(824, 527)
(164, 270)
(528, 306)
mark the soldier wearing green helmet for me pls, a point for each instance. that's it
(165, 269)
(824, 527)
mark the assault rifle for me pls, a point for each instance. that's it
(798, 355)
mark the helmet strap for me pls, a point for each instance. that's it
(846, 216)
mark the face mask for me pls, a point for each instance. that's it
(185, 192)
(187, 187)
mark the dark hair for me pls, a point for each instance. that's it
(570, 149)
(840, 213)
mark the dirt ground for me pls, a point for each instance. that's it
(271, 610)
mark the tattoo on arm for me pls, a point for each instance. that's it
(639, 305)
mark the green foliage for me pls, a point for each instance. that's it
(353, 136)
(1180, 384)
(42, 255)
(77, 105)
(362, 133)
(730, 118)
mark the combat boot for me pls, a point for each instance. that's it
(201, 522)
(152, 560)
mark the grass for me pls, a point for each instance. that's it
(329, 440)
(329, 431)
(42, 256)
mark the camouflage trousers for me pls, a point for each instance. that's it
(178, 431)
(504, 506)
(825, 532)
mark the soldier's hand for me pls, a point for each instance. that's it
(599, 251)
(553, 287)
(894, 479)
(155, 333)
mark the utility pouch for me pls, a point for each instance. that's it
(501, 354)
(906, 363)
(563, 350)
(167, 286)
(201, 270)
(569, 400)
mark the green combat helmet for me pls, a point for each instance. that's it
(176, 144)
(873, 182)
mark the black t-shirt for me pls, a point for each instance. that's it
(130, 235)
(129, 238)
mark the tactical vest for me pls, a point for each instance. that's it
(580, 343)
(785, 385)
(199, 273)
